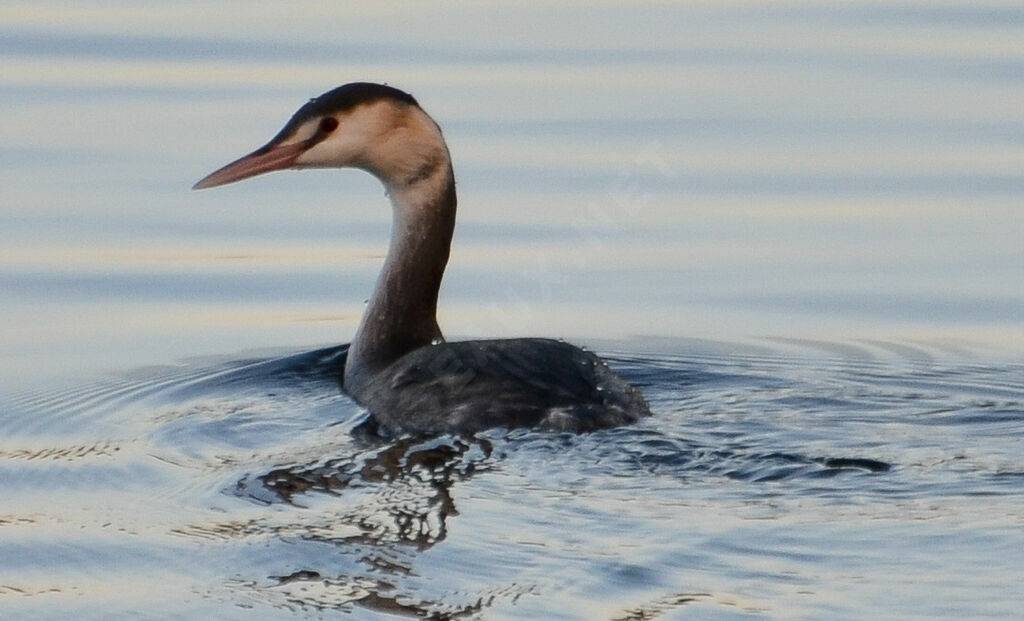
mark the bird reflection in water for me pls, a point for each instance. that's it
(409, 483)
(429, 468)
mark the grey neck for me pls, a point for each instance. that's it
(402, 313)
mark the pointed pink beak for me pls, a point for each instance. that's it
(264, 159)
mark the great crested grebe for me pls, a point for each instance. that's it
(399, 367)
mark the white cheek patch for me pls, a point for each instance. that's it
(337, 150)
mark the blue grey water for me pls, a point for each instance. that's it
(797, 227)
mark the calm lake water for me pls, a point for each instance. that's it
(797, 227)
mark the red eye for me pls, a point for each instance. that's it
(328, 124)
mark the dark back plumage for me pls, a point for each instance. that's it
(469, 386)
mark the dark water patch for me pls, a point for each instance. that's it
(903, 14)
(13, 157)
(262, 375)
(152, 47)
(140, 93)
(840, 463)
(906, 351)
(850, 354)
(775, 467)
(314, 226)
(61, 453)
(152, 287)
(178, 384)
(1006, 308)
(769, 129)
(100, 398)
(660, 606)
(50, 44)
(687, 460)
(973, 414)
(827, 185)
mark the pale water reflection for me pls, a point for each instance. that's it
(796, 225)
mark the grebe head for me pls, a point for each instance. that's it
(373, 127)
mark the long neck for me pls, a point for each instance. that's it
(402, 313)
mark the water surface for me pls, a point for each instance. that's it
(797, 227)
